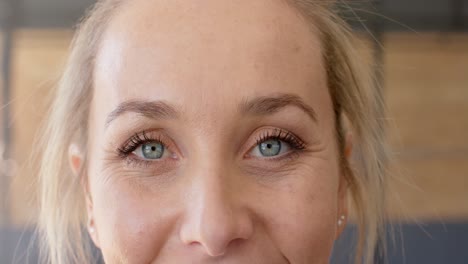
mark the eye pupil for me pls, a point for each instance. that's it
(152, 150)
(270, 148)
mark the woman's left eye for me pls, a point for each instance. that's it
(270, 148)
(151, 150)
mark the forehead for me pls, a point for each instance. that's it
(206, 50)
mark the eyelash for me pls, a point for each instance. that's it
(138, 139)
(282, 135)
(135, 141)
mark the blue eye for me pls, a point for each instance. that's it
(270, 148)
(150, 150)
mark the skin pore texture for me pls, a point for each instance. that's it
(210, 81)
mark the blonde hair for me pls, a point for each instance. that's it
(62, 216)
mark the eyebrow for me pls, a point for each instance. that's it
(267, 105)
(149, 109)
(262, 105)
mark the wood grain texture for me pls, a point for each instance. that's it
(427, 96)
(426, 88)
(38, 58)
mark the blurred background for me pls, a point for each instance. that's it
(420, 52)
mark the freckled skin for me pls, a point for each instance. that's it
(208, 203)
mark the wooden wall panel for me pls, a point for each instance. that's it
(38, 57)
(427, 97)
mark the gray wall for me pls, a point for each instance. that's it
(427, 14)
(417, 14)
(428, 243)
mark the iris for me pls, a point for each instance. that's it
(270, 148)
(152, 150)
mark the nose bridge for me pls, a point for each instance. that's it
(215, 214)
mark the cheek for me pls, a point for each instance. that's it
(130, 221)
(304, 214)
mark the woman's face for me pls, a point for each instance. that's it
(212, 137)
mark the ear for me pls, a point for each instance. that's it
(342, 217)
(348, 145)
(76, 161)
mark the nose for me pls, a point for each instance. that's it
(216, 218)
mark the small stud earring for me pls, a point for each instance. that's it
(90, 227)
(341, 220)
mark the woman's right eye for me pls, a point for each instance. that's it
(152, 150)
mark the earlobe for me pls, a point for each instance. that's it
(342, 216)
(91, 225)
(92, 230)
(348, 145)
(75, 158)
